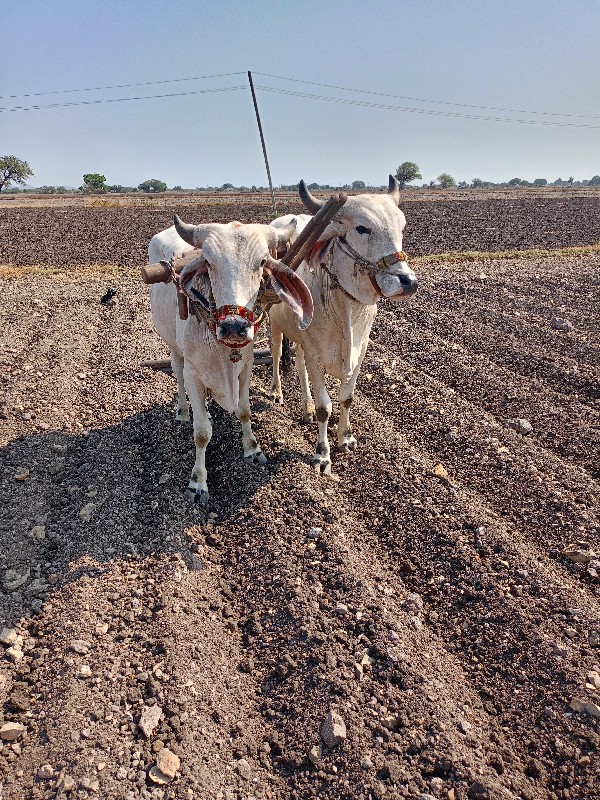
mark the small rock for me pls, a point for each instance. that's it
(13, 580)
(84, 671)
(333, 729)
(65, 783)
(579, 555)
(520, 425)
(156, 776)
(149, 719)
(90, 784)
(15, 653)
(38, 532)
(87, 511)
(45, 772)
(101, 628)
(440, 472)
(21, 474)
(414, 602)
(464, 726)
(11, 731)
(560, 324)
(315, 754)
(167, 762)
(570, 632)
(366, 763)
(166, 476)
(59, 448)
(80, 646)
(594, 638)
(594, 679)
(580, 705)
(243, 769)
(8, 636)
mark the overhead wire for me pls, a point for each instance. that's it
(120, 99)
(409, 110)
(120, 86)
(424, 100)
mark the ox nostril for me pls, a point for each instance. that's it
(409, 283)
(233, 327)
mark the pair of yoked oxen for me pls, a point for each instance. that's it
(327, 307)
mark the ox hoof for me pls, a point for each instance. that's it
(348, 445)
(182, 415)
(307, 419)
(322, 465)
(197, 496)
(258, 459)
(276, 397)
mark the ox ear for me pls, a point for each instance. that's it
(293, 292)
(394, 190)
(192, 234)
(284, 234)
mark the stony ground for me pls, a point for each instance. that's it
(438, 599)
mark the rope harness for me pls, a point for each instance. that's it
(361, 264)
(206, 312)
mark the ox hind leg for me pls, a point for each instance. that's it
(275, 392)
(197, 487)
(308, 404)
(252, 452)
(183, 409)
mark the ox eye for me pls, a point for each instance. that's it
(362, 230)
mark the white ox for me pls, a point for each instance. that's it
(211, 350)
(357, 261)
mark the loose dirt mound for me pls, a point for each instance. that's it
(76, 236)
(425, 596)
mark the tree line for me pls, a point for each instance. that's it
(14, 172)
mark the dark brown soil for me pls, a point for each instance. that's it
(80, 236)
(425, 594)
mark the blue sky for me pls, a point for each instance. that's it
(528, 55)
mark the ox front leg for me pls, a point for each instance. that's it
(183, 410)
(252, 452)
(197, 488)
(321, 460)
(345, 439)
(275, 392)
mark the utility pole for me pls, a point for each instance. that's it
(262, 139)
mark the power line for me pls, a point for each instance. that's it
(423, 100)
(120, 86)
(409, 110)
(119, 99)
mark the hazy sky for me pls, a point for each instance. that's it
(527, 55)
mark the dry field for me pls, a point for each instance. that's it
(441, 593)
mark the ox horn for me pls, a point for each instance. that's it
(394, 190)
(185, 230)
(309, 201)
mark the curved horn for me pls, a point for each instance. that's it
(394, 190)
(309, 201)
(185, 230)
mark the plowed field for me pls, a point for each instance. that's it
(440, 594)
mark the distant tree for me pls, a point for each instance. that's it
(595, 181)
(570, 181)
(463, 185)
(446, 181)
(357, 185)
(540, 182)
(558, 182)
(152, 185)
(13, 170)
(408, 171)
(177, 189)
(477, 183)
(94, 182)
(515, 182)
(46, 189)
(228, 186)
(313, 186)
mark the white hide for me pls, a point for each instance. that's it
(336, 341)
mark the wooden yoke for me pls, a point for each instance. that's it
(161, 272)
(308, 238)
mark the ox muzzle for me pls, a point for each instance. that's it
(235, 326)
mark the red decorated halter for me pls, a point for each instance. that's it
(237, 311)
